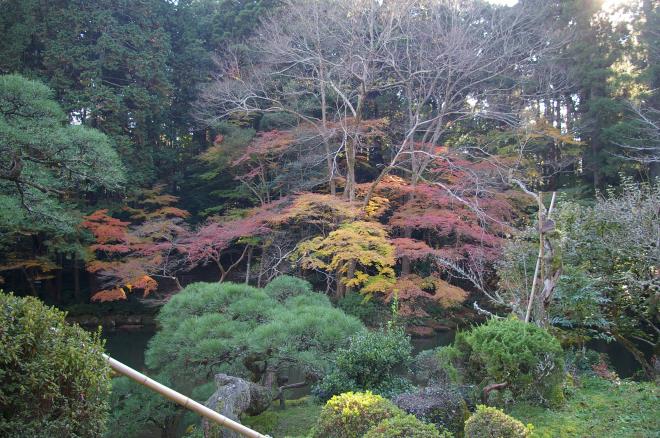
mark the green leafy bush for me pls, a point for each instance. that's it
(489, 422)
(374, 361)
(444, 406)
(582, 360)
(525, 357)
(138, 410)
(610, 249)
(405, 426)
(53, 378)
(437, 366)
(351, 415)
(286, 286)
(368, 310)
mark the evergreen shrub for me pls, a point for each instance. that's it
(489, 422)
(524, 356)
(285, 286)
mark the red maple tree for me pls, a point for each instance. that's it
(132, 255)
(217, 240)
(450, 224)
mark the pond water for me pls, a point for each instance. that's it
(128, 346)
(440, 339)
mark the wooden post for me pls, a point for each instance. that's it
(539, 258)
(181, 399)
(539, 270)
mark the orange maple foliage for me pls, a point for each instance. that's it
(154, 204)
(108, 295)
(38, 268)
(155, 196)
(367, 129)
(168, 212)
(42, 264)
(413, 290)
(109, 233)
(377, 207)
(127, 255)
(317, 209)
(267, 143)
(145, 283)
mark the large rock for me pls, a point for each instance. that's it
(233, 397)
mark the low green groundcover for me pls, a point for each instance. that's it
(598, 408)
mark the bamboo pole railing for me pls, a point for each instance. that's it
(181, 399)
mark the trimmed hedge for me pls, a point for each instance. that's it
(488, 422)
(352, 414)
(406, 426)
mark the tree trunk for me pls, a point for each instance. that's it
(261, 265)
(341, 287)
(595, 150)
(595, 142)
(224, 272)
(351, 273)
(326, 144)
(76, 280)
(59, 283)
(349, 190)
(249, 263)
(544, 280)
(568, 121)
(650, 37)
(490, 388)
(405, 260)
(33, 290)
(280, 392)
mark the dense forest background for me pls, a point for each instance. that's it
(131, 70)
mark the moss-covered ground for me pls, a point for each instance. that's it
(599, 408)
(296, 421)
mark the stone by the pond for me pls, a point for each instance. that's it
(233, 397)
